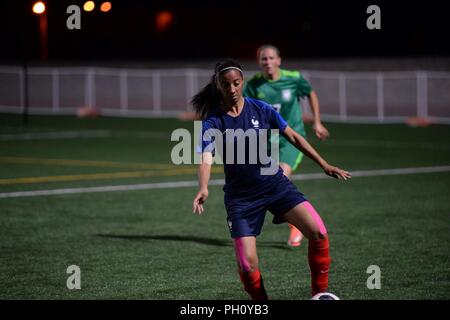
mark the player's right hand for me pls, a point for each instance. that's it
(199, 200)
(320, 131)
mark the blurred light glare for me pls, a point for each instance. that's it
(89, 6)
(163, 20)
(39, 7)
(106, 6)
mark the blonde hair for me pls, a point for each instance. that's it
(267, 46)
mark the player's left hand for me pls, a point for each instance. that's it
(320, 131)
(336, 172)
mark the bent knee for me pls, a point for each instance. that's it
(316, 235)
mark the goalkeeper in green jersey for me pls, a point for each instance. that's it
(283, 90)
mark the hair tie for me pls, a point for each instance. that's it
(228, 68)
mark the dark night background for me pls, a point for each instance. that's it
(207, 29)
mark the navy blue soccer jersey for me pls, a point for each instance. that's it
(243, 166)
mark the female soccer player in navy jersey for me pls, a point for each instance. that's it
(248, 192)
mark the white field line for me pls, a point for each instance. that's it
(216, 182)
(80, 134)
(55, 135)
(379, 172)
(388, 144)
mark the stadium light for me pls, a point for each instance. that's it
(106, 6)
(39, 7)
(164, 20)
(89, 6)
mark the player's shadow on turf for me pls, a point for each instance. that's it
(207, 241)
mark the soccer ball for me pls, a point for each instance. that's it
(325, 296)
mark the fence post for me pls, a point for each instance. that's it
(422, 94)
(89, 89)
(380, 97)
(342, 98)
(425, 94)
(191, 85)
(22, 89)
(123, 92)
(156, 78)
(55, 90)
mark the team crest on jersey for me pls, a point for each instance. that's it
(255, 123)
(286, 94)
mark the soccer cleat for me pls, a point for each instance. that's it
(295, 237)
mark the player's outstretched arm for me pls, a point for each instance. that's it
(204, 173)
(300, 143)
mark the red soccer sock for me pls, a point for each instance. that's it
(253, 284)
(319, 264)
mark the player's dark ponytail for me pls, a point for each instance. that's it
(210, 96)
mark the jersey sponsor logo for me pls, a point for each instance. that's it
(286, 94)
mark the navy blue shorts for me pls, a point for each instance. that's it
(245, 214)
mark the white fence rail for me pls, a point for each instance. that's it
(382, 97)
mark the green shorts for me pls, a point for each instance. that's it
(287, 152)
(290, 154)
